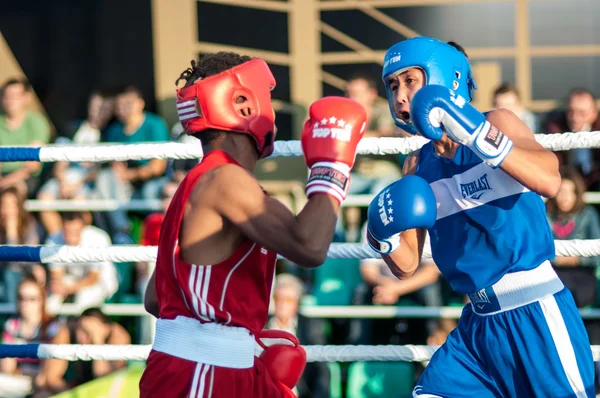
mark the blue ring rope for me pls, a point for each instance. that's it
(19, 154)
(19, 351)
(21, 253)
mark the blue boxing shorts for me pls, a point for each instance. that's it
(521, 337)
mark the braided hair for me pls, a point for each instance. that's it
(209, 65)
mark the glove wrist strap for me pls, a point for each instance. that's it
(491, 144)
(330, 178)
(383, 246)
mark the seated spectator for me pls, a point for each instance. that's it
(507, 97)
(21, 127)
(149, 237)
(381, 287)
(287, 293)
(17, 227)
(570, 218)
(92, 327)
(581, 115)
(371, 173)
(87, 284)
(90, 131)
(75, 180)
(135, 178)
(31, 325)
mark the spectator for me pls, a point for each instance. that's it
(17, 227)
(20, 127)
(507, 96)
(581, 115)
(31, 325)
(381, 287)
(570, 218)
(92, 327)
(287, 294)
(150, 235)
(74, 180)
(87, 284)
(135, 178)
(370, 174)
(101, 108)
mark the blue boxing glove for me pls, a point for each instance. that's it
(405, 204)
(435, 109)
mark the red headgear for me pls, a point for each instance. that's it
(211, 103)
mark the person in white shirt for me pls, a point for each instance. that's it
(90, 284)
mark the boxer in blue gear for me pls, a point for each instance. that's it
(521, 335)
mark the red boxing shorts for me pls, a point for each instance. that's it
(168, 376)
(190, 359)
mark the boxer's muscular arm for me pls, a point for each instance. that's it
(303, 239)
(529, 163)
(150, 300)
(406, 259)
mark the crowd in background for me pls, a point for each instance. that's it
(119, 116)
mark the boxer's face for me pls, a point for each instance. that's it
(404, 87)
(566, 196)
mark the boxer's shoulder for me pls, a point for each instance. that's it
(411, 163)
(223, 181)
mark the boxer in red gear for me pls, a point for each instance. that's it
(221, 235)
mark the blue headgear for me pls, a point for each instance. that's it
(442, 64)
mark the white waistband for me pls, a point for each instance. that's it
(208, 343)
(517, 289)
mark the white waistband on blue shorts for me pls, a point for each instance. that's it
(208, 343)
(517, 289)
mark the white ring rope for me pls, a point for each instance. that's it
(315, 353)
(126, 253)
(367, 146)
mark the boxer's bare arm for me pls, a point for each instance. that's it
(406, 259)
(303, 239)
(529, 162)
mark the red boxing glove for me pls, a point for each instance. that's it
(329, 140)
(283, 356)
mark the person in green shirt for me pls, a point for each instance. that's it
(21, 127)
(123, 181)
